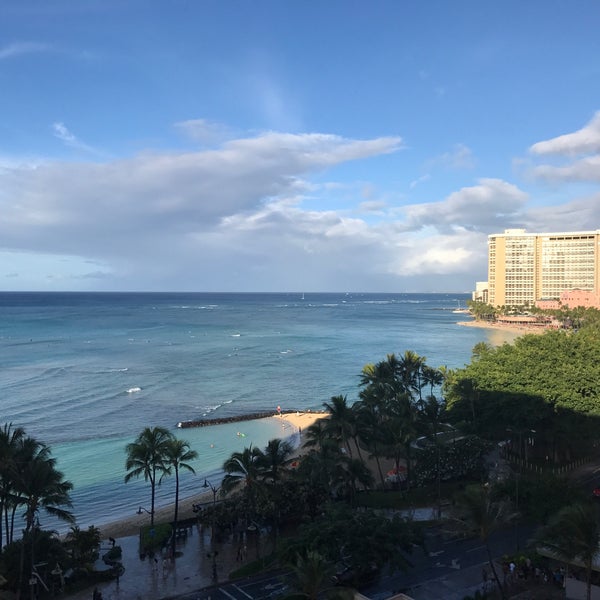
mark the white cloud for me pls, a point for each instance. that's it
(20, 48)
(236, 218)
(203, 131)
(581, 214)
(460, 157)
(491, 204)
(586, 169)
(64, 135)
(163, 217)
(583, 141)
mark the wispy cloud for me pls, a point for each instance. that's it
(459, 157)
(20, 48)
(204, 131)
(64, 135)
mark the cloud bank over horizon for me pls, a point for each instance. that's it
(245, 215)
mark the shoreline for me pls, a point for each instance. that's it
(520, 329)
(130, 526)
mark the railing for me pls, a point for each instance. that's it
(544, 468)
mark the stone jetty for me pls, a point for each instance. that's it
(232, 419)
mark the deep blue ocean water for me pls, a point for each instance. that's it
(86, 372)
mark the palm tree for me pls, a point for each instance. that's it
(370, 433)
(10, 439)
(430, 417)
(245, 469)
(147, 457)
(399, 431)
(84, 545)
(275, 456)
(316, 434)
(433, 377)
(411, 373)
(355, 473)
(39, 485)
(341, 420)
(574, 534)
(311, 578)
(177, 456)
(484, 514)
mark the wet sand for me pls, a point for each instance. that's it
(517, 329)
(291, 423)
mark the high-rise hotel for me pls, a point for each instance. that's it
(526, 267)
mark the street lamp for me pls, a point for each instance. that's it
(214, 490)
(520, 433)
(142, 510)
(213, 555)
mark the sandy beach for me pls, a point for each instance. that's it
(517, 329)
(291, 423)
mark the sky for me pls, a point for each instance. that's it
(289, 145)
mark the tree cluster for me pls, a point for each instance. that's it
(29, 481)
(543, 392)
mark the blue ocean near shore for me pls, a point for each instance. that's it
(86, 372)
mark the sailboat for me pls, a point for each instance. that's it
(459, 310)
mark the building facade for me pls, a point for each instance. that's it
(526, 267)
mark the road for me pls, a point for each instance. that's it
(448, 569)
(260, 587)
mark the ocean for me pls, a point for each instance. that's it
(86, 372)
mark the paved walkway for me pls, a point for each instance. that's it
(152, 580)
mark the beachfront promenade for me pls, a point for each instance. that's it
(150, 579)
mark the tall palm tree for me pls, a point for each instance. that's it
(10, 439)
(147, 457)
(574, 534)
(245, 469)
(411, 373)
(430, 421)
(341, 420)
(399, 431)
(316, 434)
(274, 457)
(177, 456)
(484, 514)
(39, 485)
(370, 433)
(355, 473)
(433, 377)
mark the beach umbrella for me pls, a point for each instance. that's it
(397, 473)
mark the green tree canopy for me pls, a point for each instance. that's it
(549, 383)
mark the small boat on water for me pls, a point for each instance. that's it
(459, 310)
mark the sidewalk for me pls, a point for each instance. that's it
(152, 580)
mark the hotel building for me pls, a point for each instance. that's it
(526, 267)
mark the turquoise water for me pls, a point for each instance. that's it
(86, 373)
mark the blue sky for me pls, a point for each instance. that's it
(289, 145)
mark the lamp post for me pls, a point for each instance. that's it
(520, 433)
(214, 490)
(142, 510)
(213, 555)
